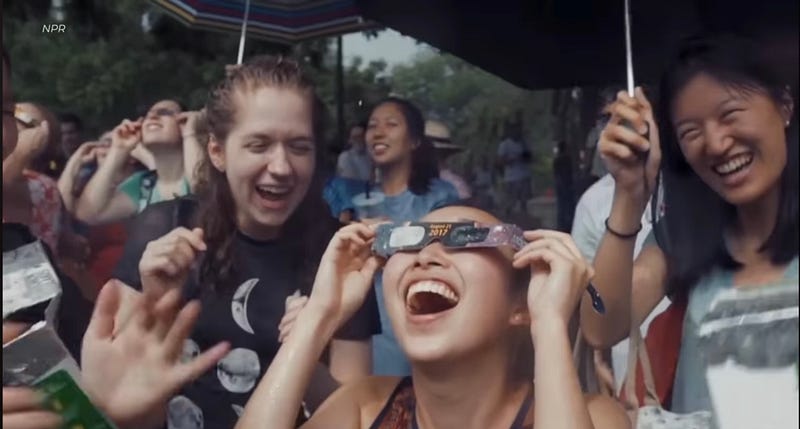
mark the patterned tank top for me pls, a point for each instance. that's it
(399, 411)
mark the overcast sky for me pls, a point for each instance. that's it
(390, 46)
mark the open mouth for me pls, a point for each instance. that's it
(734, 164)
(273, 193)
(152, 127)
(430, 297)
(380, 147)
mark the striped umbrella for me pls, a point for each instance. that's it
(283, 21)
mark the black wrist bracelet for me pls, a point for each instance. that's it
(621, 235)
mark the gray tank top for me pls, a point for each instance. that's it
(690, 391)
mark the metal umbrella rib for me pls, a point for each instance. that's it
(280, 21)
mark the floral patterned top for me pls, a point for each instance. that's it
(47, 220)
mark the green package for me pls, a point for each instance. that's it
(64, 397)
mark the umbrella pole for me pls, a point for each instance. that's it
(244, 31)
(340, 125)
(628, 48)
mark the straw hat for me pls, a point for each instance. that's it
(439, 135)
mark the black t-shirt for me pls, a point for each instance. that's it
(74, 311)
(247, 316)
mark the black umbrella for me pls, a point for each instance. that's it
(552, 44)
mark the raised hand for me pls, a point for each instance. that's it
(345, 273)
(85, 154)
(126, 136)
(133, 375)
(188, 122)
(625, 150)
(559, 276)
(22, 409)
(166, 262)
(32, 142)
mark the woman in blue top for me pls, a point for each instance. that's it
(409, 181)
(730, 190)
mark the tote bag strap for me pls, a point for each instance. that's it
(638, 358)
(583, 357)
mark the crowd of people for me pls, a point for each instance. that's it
(214, 276)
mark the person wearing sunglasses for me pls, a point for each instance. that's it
(474, 303)
(166, 132)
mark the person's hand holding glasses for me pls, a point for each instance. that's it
(33, 135)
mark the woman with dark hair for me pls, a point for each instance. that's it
(250, 238)
(31, 196)
(729, 180)
(469, 319)
(409, 188)
(406, 163)
(166, 136)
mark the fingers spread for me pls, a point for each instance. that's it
(165, 313)
(180, 329)
(189, 371)
(101, 326)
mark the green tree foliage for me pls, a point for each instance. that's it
(478, 106)
(105, 67)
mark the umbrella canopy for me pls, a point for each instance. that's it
(551, 44)
(284, 21)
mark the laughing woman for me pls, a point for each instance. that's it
(254, 231)
(411, 188)
(464, 317)
(729, 140)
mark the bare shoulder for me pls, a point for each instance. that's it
(369, 389)
(607, 413)
(355, 404)
(373, 392)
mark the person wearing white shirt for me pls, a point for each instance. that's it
(588, 228)
(355, 163)
(514, 157)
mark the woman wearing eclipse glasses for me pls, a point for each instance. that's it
(166, 132)
(467, 297)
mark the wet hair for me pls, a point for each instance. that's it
(71, 118)
(306, 228)
(424, 162)
(692, 232)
